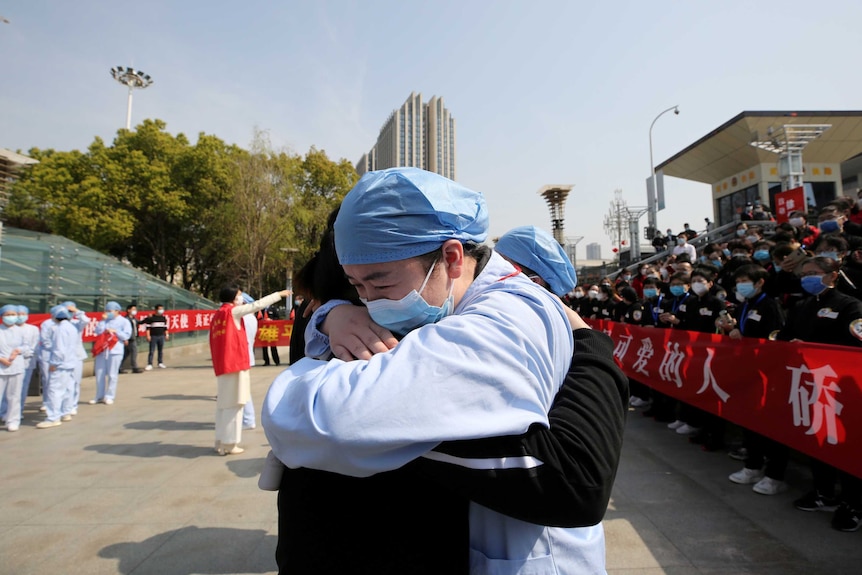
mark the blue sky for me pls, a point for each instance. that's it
(543, 92)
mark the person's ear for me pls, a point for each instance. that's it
(453, 257)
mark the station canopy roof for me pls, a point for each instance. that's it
(727, 150)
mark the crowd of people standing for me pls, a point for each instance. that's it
(795, 281)
(55, 350)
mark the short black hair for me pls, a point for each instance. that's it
(754, 272)
(130, 306)
(228, 293)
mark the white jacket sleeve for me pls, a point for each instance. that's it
(491, 369)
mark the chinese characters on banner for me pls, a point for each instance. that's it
(269, 333)
(807, 396)
(789, 201)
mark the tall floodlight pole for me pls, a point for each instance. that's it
(652, 199)
(133, 79)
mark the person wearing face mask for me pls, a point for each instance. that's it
(831, 317)
(12, 364)
(609, 303)
(841, 211)
(740, 254)
(703, 311)
(761, 253)
(79, 320)
(158, 333)
(670, 312)
(131, 351)
(758, 316)
(623, 279)
(783, 284)
(420, 269)
(590, 306)
(229, 346)
(754, 234)
(59, 397)
(118, 330)
(741, 230)
(638, 280)
(804, 233)
(683, 247)
(31, 341)
(634, 311)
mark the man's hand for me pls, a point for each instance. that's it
(353, 335)
(52, 368)
(167, 336)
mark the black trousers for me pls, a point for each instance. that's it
(130, 353)
(275, 358)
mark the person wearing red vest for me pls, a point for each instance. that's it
(229, 349)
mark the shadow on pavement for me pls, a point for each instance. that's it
(175, 396)
(246, 467)
(207, 550)
(170, 425)
(152, 449)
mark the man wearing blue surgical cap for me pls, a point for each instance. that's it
(12, 351)
(31, 340)
(108, 362)
(536, 253)
(59, 397)
(79, 320)
(483, 354)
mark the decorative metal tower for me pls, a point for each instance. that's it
(555, 196)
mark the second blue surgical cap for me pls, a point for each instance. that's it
(401, 213)
(536, 249)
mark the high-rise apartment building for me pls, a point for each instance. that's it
(420, 135)
(594, 251)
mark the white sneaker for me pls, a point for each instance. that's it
(12, 427)
(675, 424)
(66, 418)
(43, 408)
(686, 429)
(94, 401)
(46, 424)
(769, 486)
(746, 476)
(109, 402)
(638, 402)
(163, 366)
(249, 427)
(74, 412)
(148, 368)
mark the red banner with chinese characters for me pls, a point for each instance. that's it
(187, 320)
(789, 201)
(807, 396)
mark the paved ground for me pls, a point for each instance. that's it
(135, 488)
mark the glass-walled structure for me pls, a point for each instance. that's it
(41, 270)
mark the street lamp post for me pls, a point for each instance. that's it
(133, 79)
(652, 199)
(289, 276)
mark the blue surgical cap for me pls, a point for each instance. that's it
(401, 213)
(112, 306)
(60, 312)
(247, 298)
(536, 249)
(7, 308)
(23, 309)
(68, 304)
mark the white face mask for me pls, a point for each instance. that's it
(602, 296)
(237, 300)
(796, 222)
(410, 312)
(578, 294)
(133, 312)
(593, 294)
(699, 288)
